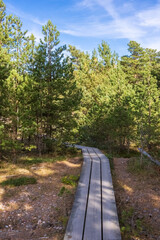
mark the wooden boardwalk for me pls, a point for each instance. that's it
(94, 213)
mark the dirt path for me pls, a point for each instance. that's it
(138, 202)
(39, 211)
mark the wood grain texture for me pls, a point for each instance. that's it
(111, 229)
(93, 216)
(75, 225)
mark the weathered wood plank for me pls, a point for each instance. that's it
(93, 216)
(75, 225)
(149, 156)
(80, 146)
(111, 229)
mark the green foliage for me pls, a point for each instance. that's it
(63, 190)
(139, 67)
(125, 220)
(130, 225)
(30, 148)
(64, 220)
(70, 180)
(105, 114)
(37, 89)
(48, 99)
(7, 144)
(72, 150)
(15, 182)
(139, 225)
(120, 101)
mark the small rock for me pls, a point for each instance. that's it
(155, 209)
(39, 222)
(34, 226)
(29, 226)
(47, 225)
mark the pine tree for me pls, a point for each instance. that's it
(54, 89)
(2, 17)
(138, 68)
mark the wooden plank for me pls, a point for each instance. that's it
(111, 229)
(80, 147)
(75, 225)
(149, 156)
(93, 216)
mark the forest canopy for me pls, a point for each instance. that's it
(48, 97)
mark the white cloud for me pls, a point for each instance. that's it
(139, 25)
(113, 29)
(150, 17)
(109, 7)
(116, 27)
(106, 19)
(37, 21)
(106, 4)
(85, 4)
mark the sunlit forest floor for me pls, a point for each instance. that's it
(137, 192)
(36, 196)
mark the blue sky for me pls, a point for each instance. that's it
(85, 23)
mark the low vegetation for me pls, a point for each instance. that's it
(63, 190)
(129, 223)
(142, 167)
(15, 182)
(70, 180)
(136, 185)
(31, 160)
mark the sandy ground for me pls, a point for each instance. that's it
(141, 193)
(37, 211)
